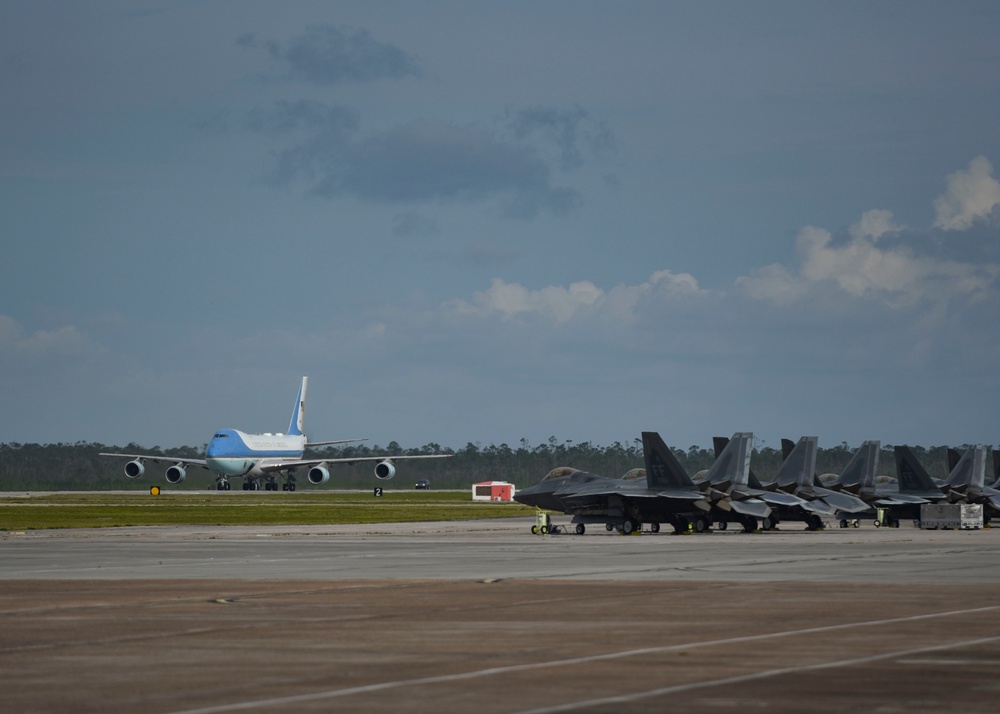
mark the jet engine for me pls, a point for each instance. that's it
(135, 469)
(384, 470)
(176, 473)
(318, 474)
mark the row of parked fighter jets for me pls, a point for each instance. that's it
(663, 493)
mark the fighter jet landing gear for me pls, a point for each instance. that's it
(814, 523)
(849, 523)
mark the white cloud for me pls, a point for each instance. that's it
(970, 196)
(874, 224)
(863, 269)
(561, 304)
(62, 343)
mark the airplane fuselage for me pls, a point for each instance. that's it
(232, 452)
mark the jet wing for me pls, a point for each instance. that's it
(842, 501)
(286, 465)
(164, 459)
(900, 500)
(751, 507)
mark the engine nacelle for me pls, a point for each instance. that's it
(135, 469)
(318, 474)
(384, 470)
(176, 473)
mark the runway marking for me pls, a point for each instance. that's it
(635, 696)
(476, 674)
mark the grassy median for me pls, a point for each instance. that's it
(232, 508)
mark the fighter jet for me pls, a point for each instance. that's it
(797, 476)
(858, 478)
(660, 493)
(784, 506)
(966, 482)
(732, 496)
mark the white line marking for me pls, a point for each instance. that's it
(635, 696)
(461, 676)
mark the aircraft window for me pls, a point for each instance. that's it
(633, 474)
(559, 472)
(222, 436)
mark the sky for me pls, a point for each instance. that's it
(493, 222)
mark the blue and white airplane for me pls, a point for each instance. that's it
(263, 458)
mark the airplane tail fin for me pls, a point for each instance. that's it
(996, 468)
(910, 474)
(862, 469)
(662, 468)
(970, 470)
(732, 464)
(719, 442)
(799, 467)
(299, 411)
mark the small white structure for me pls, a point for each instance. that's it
(493, 491)
(965, 516)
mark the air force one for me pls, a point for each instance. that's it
(263, 458)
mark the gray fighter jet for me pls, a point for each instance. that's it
(797, 476)
(858, 478)
(660, 493)
(732, 496)
(784, 505)
(966, 482)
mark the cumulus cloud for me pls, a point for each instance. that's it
(326, 54)
(863, 268)
(971, 195)
(560, 304)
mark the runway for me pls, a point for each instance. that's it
(484, 617)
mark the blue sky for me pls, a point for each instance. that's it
(487, 222)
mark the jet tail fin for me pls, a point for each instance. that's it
(299, 411)
(910, 474)
(732, 464)
(799, 467)
(862, 469)
(662, 468)
(970, 470)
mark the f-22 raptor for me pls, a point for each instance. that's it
(660, 493)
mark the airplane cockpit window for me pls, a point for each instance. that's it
(559, 472)
(221, 436)
(633, 474)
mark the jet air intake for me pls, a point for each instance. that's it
(318, 474)
(176, 473)
(135, 469)
(384, 470)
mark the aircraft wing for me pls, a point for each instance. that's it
(843, 501)
(286, 465)
(900, 500)
(751, 507)
(164, 459)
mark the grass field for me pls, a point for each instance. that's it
(116, 509)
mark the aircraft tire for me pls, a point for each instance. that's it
(534, 530)
(749, 524)
(878, 523)
(609, 526)
(580, 529)
(544, 530)
(654, 527)
(628, 526)
(843, 523)
(723, 525)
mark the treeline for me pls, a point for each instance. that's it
(57, 467)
